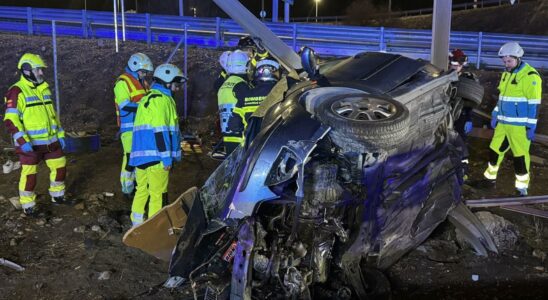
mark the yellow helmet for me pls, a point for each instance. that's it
(33, 60)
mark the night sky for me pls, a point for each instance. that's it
(302, 8)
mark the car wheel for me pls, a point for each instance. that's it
(470, 91)
(365, 122)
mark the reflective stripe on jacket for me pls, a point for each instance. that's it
(520, 92)
(227, 100)
(128, 91)
(30, 115)
(156, 135)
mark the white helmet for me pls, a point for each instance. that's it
(223, 59)
(169, 73)
(140, 61)
(511, 49)
(237, 62)
(266, 70)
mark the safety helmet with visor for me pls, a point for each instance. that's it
(267, 70)
(31, 66)
(238, 63)
(511, 49)
(168, 73)
(140, 62)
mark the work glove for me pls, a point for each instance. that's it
(27, 147)
(62, 142)
(530, 133)
(468, 127)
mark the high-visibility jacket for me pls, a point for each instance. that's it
(226, 99)
(128, 91)
(30, 115)
(520, 92)
(156, 135)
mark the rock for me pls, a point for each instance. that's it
(539, 254)
(56, 220)
(504, 233)
(13, 242)
(40, 222)
(440, 250)
(15, 202)
(108, 222)
(95, 228)
(80, 206)
(2, 199)
(104, 275)
(80, 229)
(108, 194)
(539, 268)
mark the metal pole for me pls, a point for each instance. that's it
(123, 21)
(480, 41)
(115, 25)
(441, 28)
(181, 8)
(54, 40)
(275, 10)
(316, 10)
(286, 12)
(186, 71)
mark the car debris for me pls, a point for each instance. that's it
(11, 265)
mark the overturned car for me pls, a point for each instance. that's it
(345, 169)
(341, 175)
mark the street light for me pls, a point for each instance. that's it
(317, 1)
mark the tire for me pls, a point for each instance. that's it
(364, 123)
(470, 91)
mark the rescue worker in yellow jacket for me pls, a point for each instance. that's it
(129, 88)
(37, 133)
(237, 68)
(156, 142)
(515, 116)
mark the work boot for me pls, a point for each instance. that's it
(61, 200)
(521, 192)
(30, 211)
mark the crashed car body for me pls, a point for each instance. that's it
(341, 177)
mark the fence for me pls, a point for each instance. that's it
(481, 47)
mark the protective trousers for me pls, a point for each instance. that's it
(56, 162)
(515, 138)
(151, 184)
(127, 174)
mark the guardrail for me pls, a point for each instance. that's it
(481, 47)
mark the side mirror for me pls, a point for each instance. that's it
(309, 61)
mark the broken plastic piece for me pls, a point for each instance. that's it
(10, 264)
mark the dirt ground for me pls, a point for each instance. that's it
(77, 253)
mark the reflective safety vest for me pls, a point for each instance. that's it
(156, 135)
(520, 92)
(128, 91)
(33, 115)
(227, 100)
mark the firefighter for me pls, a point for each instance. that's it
(255, 51)
(463, 125)
(129, 88)
(156, 142)
(237, 67)
(515, 116)
(267, 74)
(37, 133)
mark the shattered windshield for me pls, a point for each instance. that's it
(214, 191)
